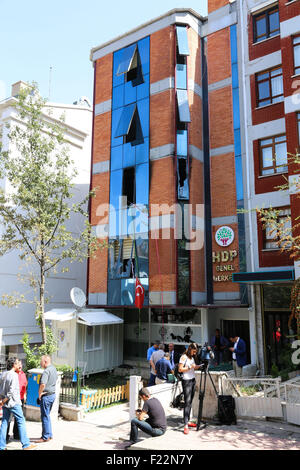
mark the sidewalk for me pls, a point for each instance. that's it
(107, 429)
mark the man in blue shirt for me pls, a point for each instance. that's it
(163, 368)
(152, 349)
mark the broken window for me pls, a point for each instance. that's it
(182, 172)
(128, 187)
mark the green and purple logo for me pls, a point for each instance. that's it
(224, 236)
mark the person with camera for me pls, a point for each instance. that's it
(156, 423)
(187, 367)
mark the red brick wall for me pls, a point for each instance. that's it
(288, 10)
(221, 118)
(162, 61)
(104, 71)
(218, 49)
(216, 4)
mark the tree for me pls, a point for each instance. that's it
(286, 236)
(35, 211)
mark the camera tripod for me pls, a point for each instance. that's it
(204, 373)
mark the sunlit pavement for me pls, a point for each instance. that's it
(108, 429)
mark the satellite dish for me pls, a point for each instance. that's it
(78, 297)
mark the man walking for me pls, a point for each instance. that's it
(47, 397)
(155, 425)
(11, 402)
(239, 356)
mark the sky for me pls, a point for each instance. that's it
(49, 42)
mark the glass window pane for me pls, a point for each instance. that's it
(142, 184)
(129, 93)
(114, 292)
(280, 138)
(182, 142)
(277, 86)
(270, 171)
(266, 142)
(115, 187)
(116, 158)
(125, 120)
(263, 90)
(117, 79)
(144, 48)
(143, 109)
(118, 97)
(128, 155)
(281, 154)
(278, 99)
(296, 40)
(127, 291)
(267, 157)
(142, 254)
(262, 76)
(126, 60)
(276, 72)
(182, 40)
(183, 106)
(297, 56)
(142, 152)
(181, 76)
(274, 22)
(97, 337)
(89, 337)
(261, 28)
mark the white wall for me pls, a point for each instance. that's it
(78, 121)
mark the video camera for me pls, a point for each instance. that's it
(205, 353)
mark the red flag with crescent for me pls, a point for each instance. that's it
(139, 294)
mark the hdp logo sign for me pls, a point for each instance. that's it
(224, 236)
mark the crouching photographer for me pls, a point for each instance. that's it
(187, 367)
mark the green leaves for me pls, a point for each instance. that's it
(37, 204)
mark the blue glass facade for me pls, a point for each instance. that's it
(130, 109)
(238, 157)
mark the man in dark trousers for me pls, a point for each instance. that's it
(47, 397)
(155, 425)
(239, 356)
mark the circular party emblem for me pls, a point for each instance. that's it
(224, 236)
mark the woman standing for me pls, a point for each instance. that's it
(187, 367)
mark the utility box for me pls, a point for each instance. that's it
(34, 377)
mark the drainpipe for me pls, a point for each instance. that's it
(242, 43)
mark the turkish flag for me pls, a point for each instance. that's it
(139, 294)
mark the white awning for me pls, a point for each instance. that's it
(98, 317)
(61, 314)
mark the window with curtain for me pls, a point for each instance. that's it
(296, 47)
(266, 25)
(273, 155)
(269, 86)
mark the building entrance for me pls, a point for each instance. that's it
(241, 328)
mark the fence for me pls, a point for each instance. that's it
(70, 387)
(96, 399)
(292, 399)
(255, 396)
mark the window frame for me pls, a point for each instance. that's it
(269, 80)
(98, 348)
(274, 239)
(296, 68)
(272, 145)
(298, 125)
(266, 13)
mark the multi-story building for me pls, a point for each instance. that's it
(188, 112)
(78, 125)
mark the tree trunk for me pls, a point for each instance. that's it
(42, 305)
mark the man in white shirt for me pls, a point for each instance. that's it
(239, 356)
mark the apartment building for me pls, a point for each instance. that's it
(193, 121)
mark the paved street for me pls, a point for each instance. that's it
(107, 429)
